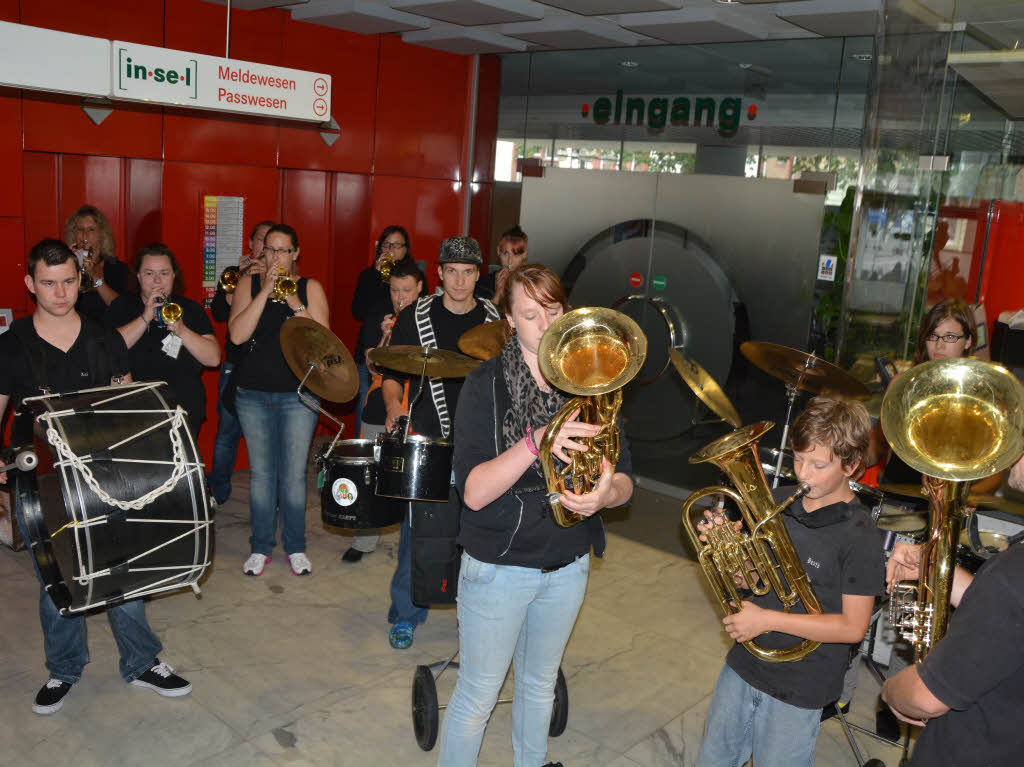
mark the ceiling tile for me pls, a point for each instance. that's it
(833, 18)
(464, 40)
(614, 7)
(358, 16)
(568, 31)
(700, 25)
(997, 74)
(470, 13)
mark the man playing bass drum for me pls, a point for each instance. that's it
(773, 710)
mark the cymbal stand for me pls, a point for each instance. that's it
(312, 403)
(791, 392)
(407, 425)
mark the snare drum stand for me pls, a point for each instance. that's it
(312, 403)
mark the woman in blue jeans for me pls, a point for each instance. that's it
(278, 427)
(523, 577)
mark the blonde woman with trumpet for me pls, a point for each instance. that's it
(161, 348)
(523, 577)
(278, 428)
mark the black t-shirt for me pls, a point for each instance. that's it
(148, 360)
(841, 552)
(221, 311)
(118, 277)
(516, 528)
(485, 287)
(447, 329)
(977, 669)
(263, 367)
(65, 371)
(370, 302)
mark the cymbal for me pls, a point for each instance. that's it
(802, 370)
(485, 341)
(981, 500)
(705, 387)
(440, 363)
(305, 342)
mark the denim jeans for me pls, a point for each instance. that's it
(64, 637)
(742, 721)
(402, 608)
(516, 615)
(366, 540)
(364, 387)
(278, 430)
(225, 444)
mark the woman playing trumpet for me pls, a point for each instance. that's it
(278, 428)
(523, 577)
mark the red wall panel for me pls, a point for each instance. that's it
(10, 152)
(13, 293)
(351, 60)
(306, 206)
(55, 123)
(10, 11)
(142, 213)
(421, 111)
(42, 217)
(351, 249)
(94, 181)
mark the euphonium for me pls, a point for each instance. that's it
(229, 279)
(284, 286)
(956, 421)
(725, 553)
(592, 353)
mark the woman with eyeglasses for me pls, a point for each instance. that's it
(947, 330)
(371, 302)
(278, 428)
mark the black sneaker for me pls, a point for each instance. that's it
(50, 697)
(352, 555)
(162, 679)
(553, 764)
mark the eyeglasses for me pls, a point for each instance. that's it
(278, 251)
(949, 338)
(392, 245)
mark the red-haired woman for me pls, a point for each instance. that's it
(512, 252)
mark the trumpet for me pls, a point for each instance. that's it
(385, 339)
(725, 553)
(83, 253)
(229, 279)
(284, 286)
(386, 263)
(169, 313)
(592, 353)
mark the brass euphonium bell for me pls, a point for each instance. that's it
(724, 555)
(284, 286)
(592, 353)
(229, 279)
(955, 421)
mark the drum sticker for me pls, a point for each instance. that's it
(344, 491)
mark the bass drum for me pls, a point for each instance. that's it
(417, 468)
(668, 281)
(347, 498)
(124, 513)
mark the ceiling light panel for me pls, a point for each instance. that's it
(471, 13)
(366, 18)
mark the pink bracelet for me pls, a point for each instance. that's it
(529, 441)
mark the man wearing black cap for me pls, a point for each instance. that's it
(436, 321)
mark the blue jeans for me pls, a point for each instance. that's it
(516, 615)
(64, 637)
(225, 444)
(742, 721)
(278, 430)
(402, 608)
(364, 387)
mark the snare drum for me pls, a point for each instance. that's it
(350, 479)
(417, 468)
(123, 512)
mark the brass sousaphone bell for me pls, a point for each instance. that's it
(591, 353)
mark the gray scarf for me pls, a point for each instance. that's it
(530, 406)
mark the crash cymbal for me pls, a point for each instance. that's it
(305, 342)
(440, 363)
(981, 500)
(705, 387)
(485, 341)
(908, 524)
(802, 370)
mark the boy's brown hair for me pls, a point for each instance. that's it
(841, 425)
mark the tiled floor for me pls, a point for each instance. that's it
(298, 671)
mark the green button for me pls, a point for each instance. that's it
(658, 282)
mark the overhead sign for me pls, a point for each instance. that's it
(180, 78)
(45, 60)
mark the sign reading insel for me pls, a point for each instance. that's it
(165, 76)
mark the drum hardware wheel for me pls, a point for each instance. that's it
(425, 708)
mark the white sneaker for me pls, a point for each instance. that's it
(255, 563)
(300, 563)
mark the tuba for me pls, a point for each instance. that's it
(592, 353)
(956, 421)
(725, 553)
